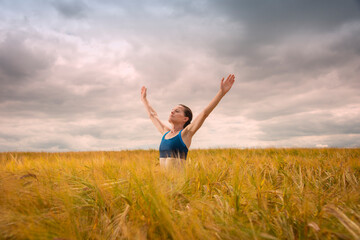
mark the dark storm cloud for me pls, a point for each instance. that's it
(18, 61)
(316, 56)
(71, 9)
(270, 20)
(268, 23)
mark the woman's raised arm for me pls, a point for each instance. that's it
(152, 113)
(225, 86)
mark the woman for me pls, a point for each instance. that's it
(176, 139)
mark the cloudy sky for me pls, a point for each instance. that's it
(71, 72)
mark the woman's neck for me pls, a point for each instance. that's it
(176, 128)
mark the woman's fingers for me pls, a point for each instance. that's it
(227, 84)
(143, 91)
(230, 78)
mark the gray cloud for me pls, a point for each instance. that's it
(71, 9)
(273, 23)
(270, 21)
(310, 124)
(18, 61)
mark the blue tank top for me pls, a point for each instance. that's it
(173, 147)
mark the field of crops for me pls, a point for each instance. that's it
(219, 194)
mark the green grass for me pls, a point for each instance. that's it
(220, 194)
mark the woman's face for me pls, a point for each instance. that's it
(177, 115)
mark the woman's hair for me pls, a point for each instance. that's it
(188, 113)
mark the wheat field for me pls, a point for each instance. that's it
(219, 194)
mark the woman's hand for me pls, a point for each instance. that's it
(143, 93)
(226, 85)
